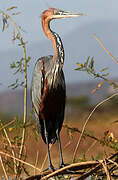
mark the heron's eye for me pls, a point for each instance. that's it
(58, 12)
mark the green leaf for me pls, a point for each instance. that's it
(36, 134)
(87, 61)
(92, 62)
(28, 59)
(22, 83)
(96, 75)
(13, 65)
(82, 69)
(17, 139)
(13, 7)
(5, 23)
(91, 65)
(69, 132)
(14, 85)
(79, 69)
(89, 72)
(17, 36)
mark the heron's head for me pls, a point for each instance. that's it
(53, 13)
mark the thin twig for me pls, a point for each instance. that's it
(3, 168)
(67, 144)
(37, 156)
(6, 125)
(12, 150)
(105, 48)
(90, 172)
(116, 164)
(83, 129)
(45, 159)
(24, 162)
(25, 106)
(91, 146)
(104, 164)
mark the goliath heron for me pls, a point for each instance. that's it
(48, 85)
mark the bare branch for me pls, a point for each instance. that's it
(83, 129)
(24, 162)
(3, 168)
(105, 48)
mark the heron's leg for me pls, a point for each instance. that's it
(49, 157)
(60, 150)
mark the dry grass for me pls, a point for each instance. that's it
(35, 152)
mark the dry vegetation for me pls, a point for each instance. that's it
(95, 144)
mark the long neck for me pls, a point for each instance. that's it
(56, 41)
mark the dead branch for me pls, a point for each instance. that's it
(78, 169)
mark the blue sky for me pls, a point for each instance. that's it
(31, 10)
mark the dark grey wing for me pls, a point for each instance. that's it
(36, 87)
(41, 70)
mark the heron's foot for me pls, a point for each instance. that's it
(62, 165)
(69, 171)
(51, 167)
(45, 170)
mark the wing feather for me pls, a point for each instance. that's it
(38, 80)
(37, 86)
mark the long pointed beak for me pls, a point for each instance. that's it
(71, 14)
(66, 14)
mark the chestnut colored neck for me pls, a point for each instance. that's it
(56, 40)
